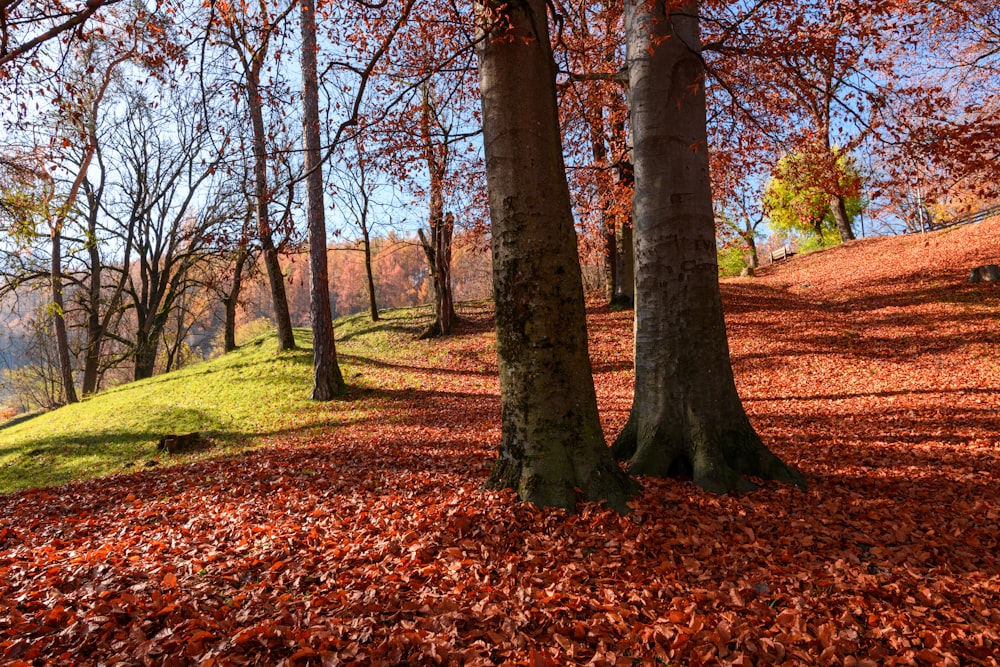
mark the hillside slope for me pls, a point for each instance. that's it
(365, 537)
(235, 401)
(884, 263)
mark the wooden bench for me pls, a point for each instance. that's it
(781, 253)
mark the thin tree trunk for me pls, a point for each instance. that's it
(328, 381)
(751, 256)
(98, 325)
(624, 248)
(369, 274)
(818, 230)
(610, 253)
(231, 300)
(445, 307)
(275, 278)
(687, 418)
(599, 152)
(438, 249)
(95, 335)
(551, 439)
(59, 318)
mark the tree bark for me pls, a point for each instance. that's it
(59, 318)
(231, 300)
(438, 249)
(687, 418)
(252, 60)
(328, 382)
(625, 251)
(599, 152)
(625, 256)
(751, 256)
(369, 274)
(275, 278)
(95, 332)
(445, 305)
(146, 347)
(838, 205)
(551, 439)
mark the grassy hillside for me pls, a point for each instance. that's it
(236, 401)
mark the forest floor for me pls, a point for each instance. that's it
(874, 367)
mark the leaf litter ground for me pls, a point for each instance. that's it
(874, 367)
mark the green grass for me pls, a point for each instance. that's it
(234, 400)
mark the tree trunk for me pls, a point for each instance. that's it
(231, 300)
(275, 278)
(749, 237)
(328, 381)
(438, 249)
(444, 305)
(624, 173)
(838, 204)
(625, 256)
(687, 418)
(610, 253)
(551, 439)
(146, 347)
(818, 230)
(59, 318)
(372, 303)
(624, 248)
(599, 152)
(95, 334)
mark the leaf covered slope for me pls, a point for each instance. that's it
(872, 367)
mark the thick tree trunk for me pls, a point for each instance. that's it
(686, 417)
(328, 381)
(551, 440)
(59, 318)
(838, 204)
(275, 278)
(146, 348)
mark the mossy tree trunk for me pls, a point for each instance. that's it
(687, 418)
(551, 442)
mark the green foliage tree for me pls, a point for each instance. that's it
(799, 197)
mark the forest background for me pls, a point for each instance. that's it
(152, 180)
